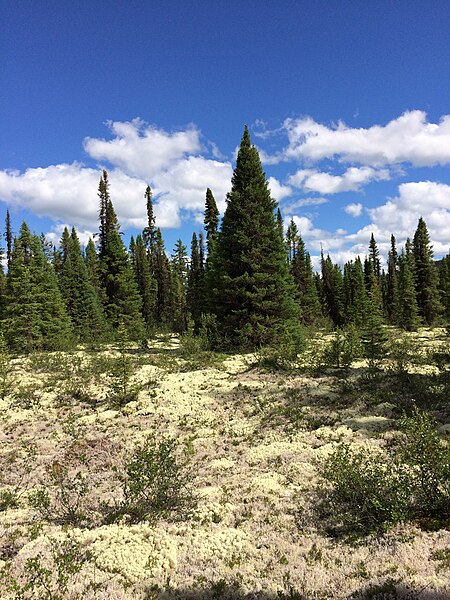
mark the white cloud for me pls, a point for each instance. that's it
(408, 139)
(277, 190)
(354, 209)
(55, 235)
(400, 215)
(141, 150)
(289, 208)
(140, 155)
(325, 183)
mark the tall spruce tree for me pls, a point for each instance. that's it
(355, 294)
(211, 221)
(8, 238)
(426, 276)
(332, 291)
(302, 274)
(149, 232)
(81, 299)
(35, 317)
(145, 282)
(392, 299)
(179, 271)
(408, 310)
(195, 288)
(162, 273)
(252, 300)
(374, 257)
(122, 300)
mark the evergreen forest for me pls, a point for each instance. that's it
(246, 282)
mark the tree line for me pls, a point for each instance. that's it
(243, 285)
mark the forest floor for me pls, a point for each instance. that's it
(253, 439)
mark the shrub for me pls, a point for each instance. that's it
(68, 504)
(371, 492)
(368, 493)
(283, 355)
(429, 459)
(344, 347)
(122, 388)
(157, 483)
(49, 579)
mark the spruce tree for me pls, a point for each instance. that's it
(149, 232)
(9, 239)
(179, 271)
(374, 257)
(332, 291)
(162, 275)
(302, 274)
(444, 287)
(355, 294)
(252, 301)
(122, 300)
(195, 291)
(408, 310)
(145, 282)
(426, 276)
(81, 300)
(211, 221)
(392, 299)
(35, 316)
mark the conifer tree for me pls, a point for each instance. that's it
(162, 275)
(93, 269)
(35, 316)
(9, 239)
(392, 298)
(408, 310)
(122, 299)
(252, 300)
(374, 257)
(145, 282)
(195, 291)
(332, 291)
(179, 272)
(149, 232)
(81, 300)
(355, 294)
(302, 274)
(211, 221)
(426, 276)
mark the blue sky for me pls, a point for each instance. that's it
(348, 102)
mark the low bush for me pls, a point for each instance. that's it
(369, 492)
(156, 483)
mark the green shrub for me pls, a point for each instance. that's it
(344, 347)
(429, 459)
(283, 355)
(157, 483)
(368, 493)
(49, 581)
(8, 499)
(67, 504)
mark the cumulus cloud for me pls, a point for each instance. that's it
(325, 183)
(142, 150)
(408, 139)
(354, 209)
(139, 155)
(292, 206)
(278, 191)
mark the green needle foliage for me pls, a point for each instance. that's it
(252, 298)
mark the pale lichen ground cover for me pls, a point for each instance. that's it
(253, 531)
